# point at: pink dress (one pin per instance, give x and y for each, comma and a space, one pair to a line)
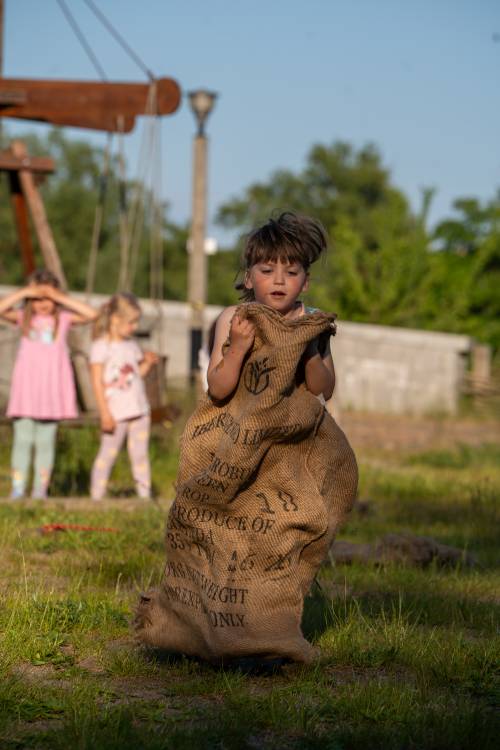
42, 384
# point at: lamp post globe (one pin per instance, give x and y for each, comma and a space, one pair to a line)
201, 102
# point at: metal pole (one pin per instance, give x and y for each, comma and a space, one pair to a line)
197, 271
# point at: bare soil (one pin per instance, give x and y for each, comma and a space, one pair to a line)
396, 433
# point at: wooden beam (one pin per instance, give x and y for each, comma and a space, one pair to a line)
12, 97
22, 224
9, 162
39, 217
86, 104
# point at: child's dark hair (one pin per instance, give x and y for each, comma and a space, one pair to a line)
39, 276
291, 237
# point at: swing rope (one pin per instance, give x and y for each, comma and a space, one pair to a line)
118, 38
82, 39
122, 210
131, 219
98, 218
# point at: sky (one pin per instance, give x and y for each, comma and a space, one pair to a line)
419, 79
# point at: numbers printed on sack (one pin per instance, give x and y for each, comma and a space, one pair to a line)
245, 564
278, 562
287, 500
266, 508
175, 540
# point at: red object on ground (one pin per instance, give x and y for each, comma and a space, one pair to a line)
48, 528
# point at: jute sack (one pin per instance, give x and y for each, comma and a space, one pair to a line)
264, 481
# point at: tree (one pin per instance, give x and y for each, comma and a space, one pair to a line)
71, 196
379, 257
464, 277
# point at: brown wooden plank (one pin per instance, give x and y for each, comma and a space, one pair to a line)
9, 162
88, 104
110, 124
39, 217
12, 97
22, 224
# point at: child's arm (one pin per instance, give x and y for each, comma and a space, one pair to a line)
82, 313
224, 369
149, 359
319, 371
107, 422
11, 300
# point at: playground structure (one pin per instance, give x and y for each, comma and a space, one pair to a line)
109, 107
380, 370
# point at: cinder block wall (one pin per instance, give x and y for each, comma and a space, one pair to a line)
399, 370
379, 368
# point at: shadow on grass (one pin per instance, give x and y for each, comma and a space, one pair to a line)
318, 614
240, 715
423, 597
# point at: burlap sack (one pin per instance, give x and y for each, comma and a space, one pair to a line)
264, 481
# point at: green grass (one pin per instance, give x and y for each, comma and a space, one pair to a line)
408, 658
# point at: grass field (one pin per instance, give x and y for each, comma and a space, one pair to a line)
407, 657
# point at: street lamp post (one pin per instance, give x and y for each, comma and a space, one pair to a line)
202, 103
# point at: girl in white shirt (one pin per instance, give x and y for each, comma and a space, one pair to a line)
118, 367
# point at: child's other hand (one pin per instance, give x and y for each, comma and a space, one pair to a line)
151, 358
108, 424
241, 334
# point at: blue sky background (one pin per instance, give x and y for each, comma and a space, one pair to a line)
418, 79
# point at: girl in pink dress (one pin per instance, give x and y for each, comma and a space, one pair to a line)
42, 388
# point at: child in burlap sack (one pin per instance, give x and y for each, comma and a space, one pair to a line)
266, 476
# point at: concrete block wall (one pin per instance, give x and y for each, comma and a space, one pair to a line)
379, 368
398, 370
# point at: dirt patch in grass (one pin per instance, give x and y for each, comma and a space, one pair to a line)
396, 433
91, 664
35, 674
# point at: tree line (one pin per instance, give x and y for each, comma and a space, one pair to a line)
384, 266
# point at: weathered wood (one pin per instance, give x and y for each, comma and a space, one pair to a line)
22, 223
39, 217
100, 106
11, 163
12, 97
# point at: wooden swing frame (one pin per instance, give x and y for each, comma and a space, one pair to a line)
110, 107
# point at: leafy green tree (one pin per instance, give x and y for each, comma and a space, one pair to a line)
70, 197
461, 293
378, 260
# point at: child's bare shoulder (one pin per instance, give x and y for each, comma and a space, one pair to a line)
225, 318
228, 312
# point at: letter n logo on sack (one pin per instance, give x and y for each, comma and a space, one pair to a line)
257, 376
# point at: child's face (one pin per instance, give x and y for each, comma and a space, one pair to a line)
43, 306
124, 326
277, 283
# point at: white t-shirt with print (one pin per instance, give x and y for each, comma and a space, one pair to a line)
123, 386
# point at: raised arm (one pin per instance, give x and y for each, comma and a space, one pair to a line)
8, 302
224, 369
82, 313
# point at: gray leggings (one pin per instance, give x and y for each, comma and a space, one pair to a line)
41, 435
